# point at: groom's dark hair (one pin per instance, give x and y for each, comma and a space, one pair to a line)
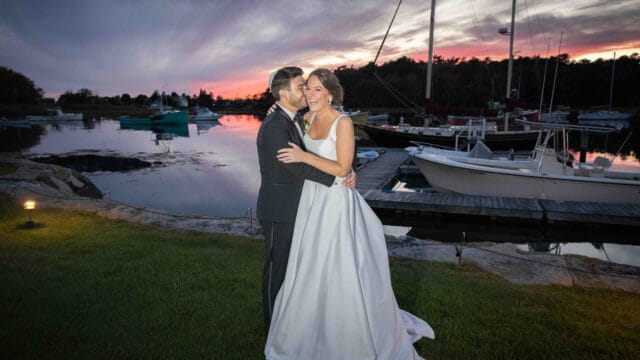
282, 78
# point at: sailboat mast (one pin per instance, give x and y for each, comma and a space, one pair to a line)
430, 59
544, 78
555, 75
613, 71
510, 70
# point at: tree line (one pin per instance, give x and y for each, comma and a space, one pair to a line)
456, 83
460, 82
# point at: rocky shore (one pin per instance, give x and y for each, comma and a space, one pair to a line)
55, 186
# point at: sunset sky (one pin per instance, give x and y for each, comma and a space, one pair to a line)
231, 47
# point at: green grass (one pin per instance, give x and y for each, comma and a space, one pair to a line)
82, 286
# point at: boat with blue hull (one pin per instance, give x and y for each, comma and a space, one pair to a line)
175, 129
163, 118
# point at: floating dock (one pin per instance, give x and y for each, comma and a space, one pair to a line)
377, 176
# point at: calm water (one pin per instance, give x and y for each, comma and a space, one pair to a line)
214, 171
209, 171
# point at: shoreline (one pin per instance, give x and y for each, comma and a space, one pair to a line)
52, 186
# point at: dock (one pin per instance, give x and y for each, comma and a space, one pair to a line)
376, 177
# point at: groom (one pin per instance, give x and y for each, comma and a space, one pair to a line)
281, 184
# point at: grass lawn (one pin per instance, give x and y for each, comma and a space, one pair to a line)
80, 286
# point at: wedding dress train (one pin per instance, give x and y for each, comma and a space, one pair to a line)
336, 301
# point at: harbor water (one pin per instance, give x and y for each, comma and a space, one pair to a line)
212, 169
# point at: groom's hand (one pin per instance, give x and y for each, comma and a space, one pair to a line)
350, 180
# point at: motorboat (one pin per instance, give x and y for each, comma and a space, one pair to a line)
181, 130
55, 114
162, 117
480, 154
547, 176
204, 114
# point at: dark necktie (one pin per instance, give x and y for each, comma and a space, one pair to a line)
298, 119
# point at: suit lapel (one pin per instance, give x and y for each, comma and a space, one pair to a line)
296, 133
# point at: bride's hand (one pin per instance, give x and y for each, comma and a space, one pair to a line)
292, 154
271, 109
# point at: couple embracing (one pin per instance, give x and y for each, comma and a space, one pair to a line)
326, 284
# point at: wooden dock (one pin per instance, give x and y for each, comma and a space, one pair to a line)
375, 178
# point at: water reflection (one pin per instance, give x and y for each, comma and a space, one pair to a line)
607, 244
20, 136
214, 173
204, 126
217, 173
162, 134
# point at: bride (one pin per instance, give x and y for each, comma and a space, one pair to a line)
336, 301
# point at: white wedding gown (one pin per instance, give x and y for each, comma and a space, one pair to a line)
336, 301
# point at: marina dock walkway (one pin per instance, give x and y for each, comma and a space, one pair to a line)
377, 176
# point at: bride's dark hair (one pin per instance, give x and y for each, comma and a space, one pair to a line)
330, 82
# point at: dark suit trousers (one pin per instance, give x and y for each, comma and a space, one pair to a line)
277, 243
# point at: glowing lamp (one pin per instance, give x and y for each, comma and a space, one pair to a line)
29, 205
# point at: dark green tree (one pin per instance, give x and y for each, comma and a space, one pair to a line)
17, 88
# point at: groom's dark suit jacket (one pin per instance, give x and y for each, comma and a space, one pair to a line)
278, 200
282, 183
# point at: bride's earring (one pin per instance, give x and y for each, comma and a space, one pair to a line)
330, 100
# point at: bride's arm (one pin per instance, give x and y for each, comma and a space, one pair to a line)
345, 146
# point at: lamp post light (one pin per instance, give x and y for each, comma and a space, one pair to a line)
29, 205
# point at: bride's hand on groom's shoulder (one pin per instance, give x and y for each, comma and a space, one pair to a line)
271, 109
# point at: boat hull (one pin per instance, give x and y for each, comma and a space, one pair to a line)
175, 129
178, 117
449, 176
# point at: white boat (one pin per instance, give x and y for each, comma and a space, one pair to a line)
204, 114
181, 101
548, 176
55, 114
480, 154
